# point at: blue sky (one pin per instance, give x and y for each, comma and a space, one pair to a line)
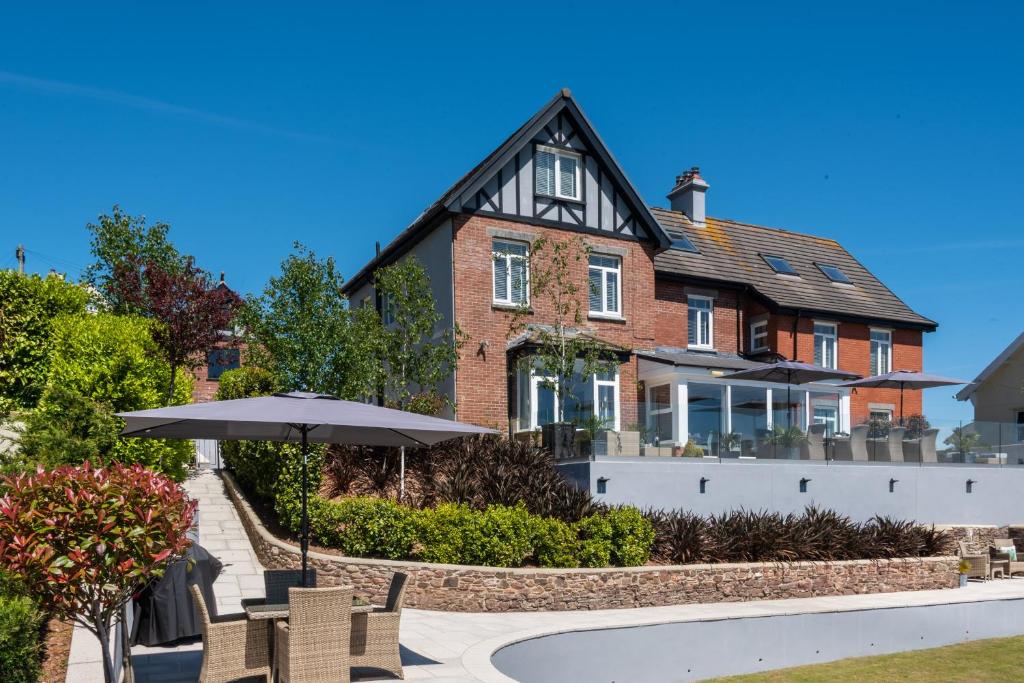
894, 128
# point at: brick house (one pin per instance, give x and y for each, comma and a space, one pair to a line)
225, 355
688, 298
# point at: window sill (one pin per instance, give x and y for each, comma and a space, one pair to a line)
499, 306
607, 317
698, 347
556, 198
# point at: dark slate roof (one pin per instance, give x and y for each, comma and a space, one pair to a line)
730, 252
495, 160
699, 359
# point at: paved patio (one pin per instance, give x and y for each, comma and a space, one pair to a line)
446, 646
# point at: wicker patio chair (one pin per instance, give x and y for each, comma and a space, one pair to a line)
855, 446
813, 448
1012, 566
233, 646
980, 564
375, 634
890, 449
921, 449
276, 583
313, 646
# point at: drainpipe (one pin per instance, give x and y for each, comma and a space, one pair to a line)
740, 346
796, 323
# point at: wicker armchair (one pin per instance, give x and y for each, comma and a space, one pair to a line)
854, 446
313, 646
979, 562
276, 583
233, 646
1012, 566
375, 634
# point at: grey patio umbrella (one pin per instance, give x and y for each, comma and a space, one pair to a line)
790, 372
901, 379
295, 417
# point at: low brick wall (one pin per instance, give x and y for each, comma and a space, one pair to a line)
486, 589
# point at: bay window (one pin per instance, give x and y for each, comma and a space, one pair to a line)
700, 322
825, 343
588, 401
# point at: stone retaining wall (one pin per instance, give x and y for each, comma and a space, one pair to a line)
478, 589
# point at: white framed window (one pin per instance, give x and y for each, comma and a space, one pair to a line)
659, 412
511, 275
826, 342
557, 173
881, 351
605, 285
1020, 425
882, 414
700, 332
606, 399
387, 309
759, 336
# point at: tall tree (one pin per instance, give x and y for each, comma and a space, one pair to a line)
191, 312
300, 329
120, 241
415, 355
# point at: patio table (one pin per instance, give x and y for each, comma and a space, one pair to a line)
259, 612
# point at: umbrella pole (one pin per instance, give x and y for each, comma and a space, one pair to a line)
304, 530
401, 474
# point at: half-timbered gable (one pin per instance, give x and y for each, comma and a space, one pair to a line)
556, 171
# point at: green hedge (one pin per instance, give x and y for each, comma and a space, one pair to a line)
20, 634
497, 536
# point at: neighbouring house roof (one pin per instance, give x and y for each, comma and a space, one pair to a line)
732, 252
479, 174
530, 337
698, 359
1000, 360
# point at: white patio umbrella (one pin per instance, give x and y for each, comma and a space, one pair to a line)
901, 379
297, 417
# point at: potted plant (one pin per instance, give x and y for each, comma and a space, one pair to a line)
692, 450
787, 441
965, 567
730, 441
562, 351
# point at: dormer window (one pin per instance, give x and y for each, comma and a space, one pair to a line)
557, 173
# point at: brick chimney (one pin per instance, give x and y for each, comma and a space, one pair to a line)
688, 195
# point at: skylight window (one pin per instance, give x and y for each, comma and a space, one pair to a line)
682, 243
779, 264
833, 273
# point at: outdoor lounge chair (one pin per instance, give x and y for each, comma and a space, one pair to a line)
313, 646
375, 634
921, 449
1012, 566
853, 447
889, 449
813, 448
979, 562
233, 646
276, 583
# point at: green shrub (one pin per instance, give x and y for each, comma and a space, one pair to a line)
245, 382
30, 304
632, 537
20, 639
443, 532
595, 541
365, 527
113, 361
502, 537
555, 543
287, 488
68, 429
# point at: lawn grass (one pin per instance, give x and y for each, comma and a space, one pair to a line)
998, 659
